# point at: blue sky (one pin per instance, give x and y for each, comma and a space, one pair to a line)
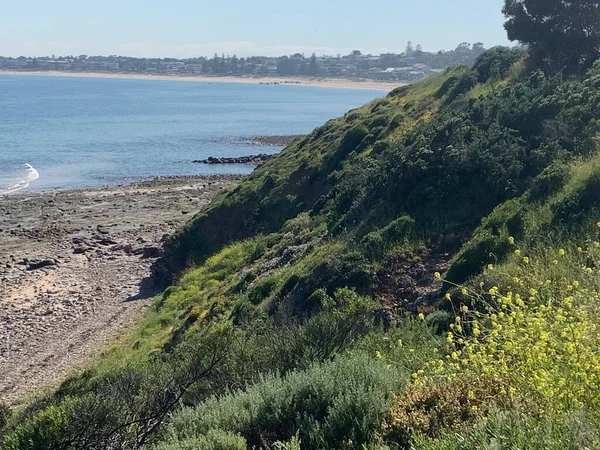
186, 28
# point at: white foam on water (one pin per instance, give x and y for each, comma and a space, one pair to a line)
31, 175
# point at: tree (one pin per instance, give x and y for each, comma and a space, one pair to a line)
463, 47
419, 49
561, 35
409, 48
313, 67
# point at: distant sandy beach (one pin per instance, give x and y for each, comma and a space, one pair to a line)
370, 85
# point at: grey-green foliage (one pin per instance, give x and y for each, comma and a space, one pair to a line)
511, 430
213, 440
328, 405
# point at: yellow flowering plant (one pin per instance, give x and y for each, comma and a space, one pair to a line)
537, 335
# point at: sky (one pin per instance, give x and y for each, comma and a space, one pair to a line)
190, 28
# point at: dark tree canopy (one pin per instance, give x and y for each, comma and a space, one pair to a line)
561, 34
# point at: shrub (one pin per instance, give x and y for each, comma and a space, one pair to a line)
489, 244
434, 409
214, 440
268, 346
439, 321
495, 63
458, 84
574, 209
544, 348
329, 405
395, 232
514, 430
549, 182
124, 408
539, 336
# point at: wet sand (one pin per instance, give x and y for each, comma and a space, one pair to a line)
74, 267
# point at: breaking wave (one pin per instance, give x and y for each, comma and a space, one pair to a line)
31, 175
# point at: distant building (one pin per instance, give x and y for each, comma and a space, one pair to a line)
421, 67
193, 68
101, 65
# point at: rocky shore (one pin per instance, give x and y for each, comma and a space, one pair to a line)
251, 159
255, 160
74, 269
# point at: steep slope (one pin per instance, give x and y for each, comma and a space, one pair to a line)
289, 314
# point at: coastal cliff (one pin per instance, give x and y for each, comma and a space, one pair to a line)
373, 285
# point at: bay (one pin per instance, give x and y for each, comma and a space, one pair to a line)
68, 132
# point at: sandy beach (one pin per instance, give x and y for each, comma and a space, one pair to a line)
72, 270
302, 81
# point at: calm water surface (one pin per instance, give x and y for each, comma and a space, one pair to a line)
65, 132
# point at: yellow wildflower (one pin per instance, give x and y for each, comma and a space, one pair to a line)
511, 240
421, 316
526, 259
437, 275
518, 252
562, 252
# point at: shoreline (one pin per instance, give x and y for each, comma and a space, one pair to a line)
338, 83
74, 268
126, 183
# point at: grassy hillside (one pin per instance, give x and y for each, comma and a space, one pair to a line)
420, 272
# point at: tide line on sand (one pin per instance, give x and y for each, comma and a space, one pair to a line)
32, 175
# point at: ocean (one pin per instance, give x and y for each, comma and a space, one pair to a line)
71, 132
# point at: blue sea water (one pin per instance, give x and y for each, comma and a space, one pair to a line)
66, 132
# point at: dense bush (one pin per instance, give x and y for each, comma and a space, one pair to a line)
329, 405
433, 409
495, 63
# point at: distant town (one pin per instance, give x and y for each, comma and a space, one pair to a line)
412, 64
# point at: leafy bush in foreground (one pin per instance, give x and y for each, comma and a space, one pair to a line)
329, 405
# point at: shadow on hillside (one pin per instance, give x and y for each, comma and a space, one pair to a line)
148, 289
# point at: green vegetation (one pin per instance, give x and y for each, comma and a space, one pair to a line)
561, 35
420, 273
